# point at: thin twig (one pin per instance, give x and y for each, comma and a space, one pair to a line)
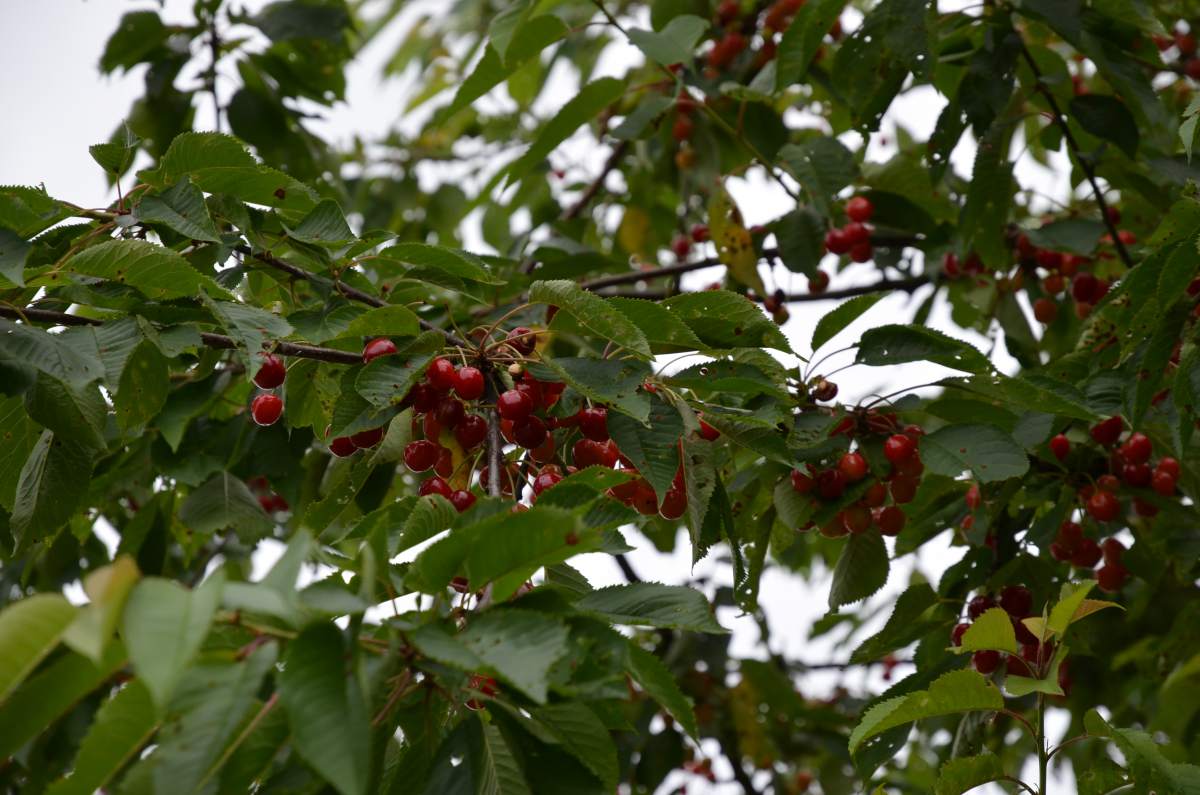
885, 285
1073, 147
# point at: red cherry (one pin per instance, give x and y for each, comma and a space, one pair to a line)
1083, 287
1107, 432
674, 504
1113, 550
1060, 446
271, 372
1137, 448
421, 455
435, 485
1137, 475
862, 252
267, 502
462, 500
957, 633
859, 209
853, 467
1087, 555
979, 605
449, 412
365, 440
972, 498
267, 409
876, 495
857, 518
1070, 534
681, 130
699, 232
529, 432
680, 246
445, 463
1017, 601
1163, 482
890, 520
523, 339
1168, 465
819, 282
708, 432
593, 423
468, 383
950, 265
903, 490
544, 480
440, 373
898, 448
1108, 483
342, 447
470, 431
1050, 260
514, 405
801, 482
380, 346
1103, 506
856, 233
831, 483
986, 660
1045, 310
1111, 576
836, 243
424, 398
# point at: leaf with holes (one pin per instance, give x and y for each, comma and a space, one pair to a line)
592, 313
985, 451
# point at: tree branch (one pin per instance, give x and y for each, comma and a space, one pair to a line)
211, 340
590, 192
1073, 147
886, 285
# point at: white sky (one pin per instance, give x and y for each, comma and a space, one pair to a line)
57, 104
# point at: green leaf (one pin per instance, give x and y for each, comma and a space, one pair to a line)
657, 680
521, 646
984, 217
582, 108
326, 709
592, 312
985, 451
138, 35
52, 483
494, 765
386, 381
992, 630
730, 377
862, 569
155, 271
652, 447
29, 630
896, 344
49, 353
1074, 235
615, 383
384, 321
145, 381
722, 319
965, 773
116, 156
803, 38
224, 501
164, 626
325, 225
822, 166
1148, 765
122, 726
649, 108
19, 434
1071, 598
14, 250
1106, 117
652, 604
253, 328
214, 699
675, 43
657, 324
904, 626
584, 736
27, 211
954, 692
50, 693
529, 40
800, 235
181, 208
836, 320
76, 414
107, 587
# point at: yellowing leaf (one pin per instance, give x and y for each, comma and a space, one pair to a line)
632, 233
732, 239
1089, 606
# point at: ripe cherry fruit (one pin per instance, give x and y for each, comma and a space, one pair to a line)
342, 447
435, 485
468, 383
1107, 431
267, 409
364, 440
593, 423
859, 209
890, 520
440, 373
1060, 446
853, 467
271, 372
986, 660
1103, 505
514, 405
801, 482
898, 448
380, 346
421, 455
470, 431
462, 500
1137, 448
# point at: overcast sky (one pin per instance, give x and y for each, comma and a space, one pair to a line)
56, 104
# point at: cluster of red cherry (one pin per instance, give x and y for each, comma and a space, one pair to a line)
267, 407
343, 446
855, 237
1060, 271
1070, 545
1034, 657
900, 485
1182, 45
270, 501
483, 685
